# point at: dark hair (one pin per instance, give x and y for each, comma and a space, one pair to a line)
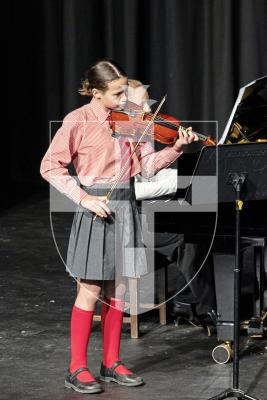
99, 75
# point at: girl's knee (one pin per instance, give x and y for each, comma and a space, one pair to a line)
115, 292
89, 292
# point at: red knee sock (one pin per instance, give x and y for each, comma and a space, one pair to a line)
81, 324
104, 309
112, 335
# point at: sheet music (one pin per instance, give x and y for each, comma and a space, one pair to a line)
238, 101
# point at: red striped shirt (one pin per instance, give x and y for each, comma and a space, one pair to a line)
85, 139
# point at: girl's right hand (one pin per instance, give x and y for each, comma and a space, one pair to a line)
96, 204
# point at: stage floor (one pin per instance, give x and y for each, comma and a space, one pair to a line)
36, 300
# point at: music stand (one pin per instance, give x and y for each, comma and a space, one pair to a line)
238, 170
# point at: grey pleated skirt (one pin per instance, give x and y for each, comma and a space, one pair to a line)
107, 248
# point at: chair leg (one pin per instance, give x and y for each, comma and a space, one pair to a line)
162, 273
133, 293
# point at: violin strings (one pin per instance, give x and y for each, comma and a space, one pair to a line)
172, 125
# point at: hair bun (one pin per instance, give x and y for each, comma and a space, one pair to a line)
85, 90
99, 75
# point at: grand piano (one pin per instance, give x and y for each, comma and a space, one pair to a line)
243, 144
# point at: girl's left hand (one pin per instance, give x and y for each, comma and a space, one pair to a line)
186, 136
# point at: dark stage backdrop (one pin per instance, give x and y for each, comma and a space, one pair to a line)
198, 52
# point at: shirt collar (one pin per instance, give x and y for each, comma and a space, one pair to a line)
99, 110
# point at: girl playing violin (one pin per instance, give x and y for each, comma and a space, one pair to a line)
85, 139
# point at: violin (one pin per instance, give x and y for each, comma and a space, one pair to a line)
165, 126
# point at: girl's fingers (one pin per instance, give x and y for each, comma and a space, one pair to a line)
103, 204
105, 208
191, 136
97, 207
98, 211
184, 133
101, 210
194, 137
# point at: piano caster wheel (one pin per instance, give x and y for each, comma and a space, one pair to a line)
223, 353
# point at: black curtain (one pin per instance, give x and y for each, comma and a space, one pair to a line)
198, 52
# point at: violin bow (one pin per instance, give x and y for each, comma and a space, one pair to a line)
109, 193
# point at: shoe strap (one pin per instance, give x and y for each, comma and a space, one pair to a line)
115, 365
75, 373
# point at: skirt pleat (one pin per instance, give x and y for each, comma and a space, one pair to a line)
106, 248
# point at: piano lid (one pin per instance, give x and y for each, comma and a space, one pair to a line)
248, 119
